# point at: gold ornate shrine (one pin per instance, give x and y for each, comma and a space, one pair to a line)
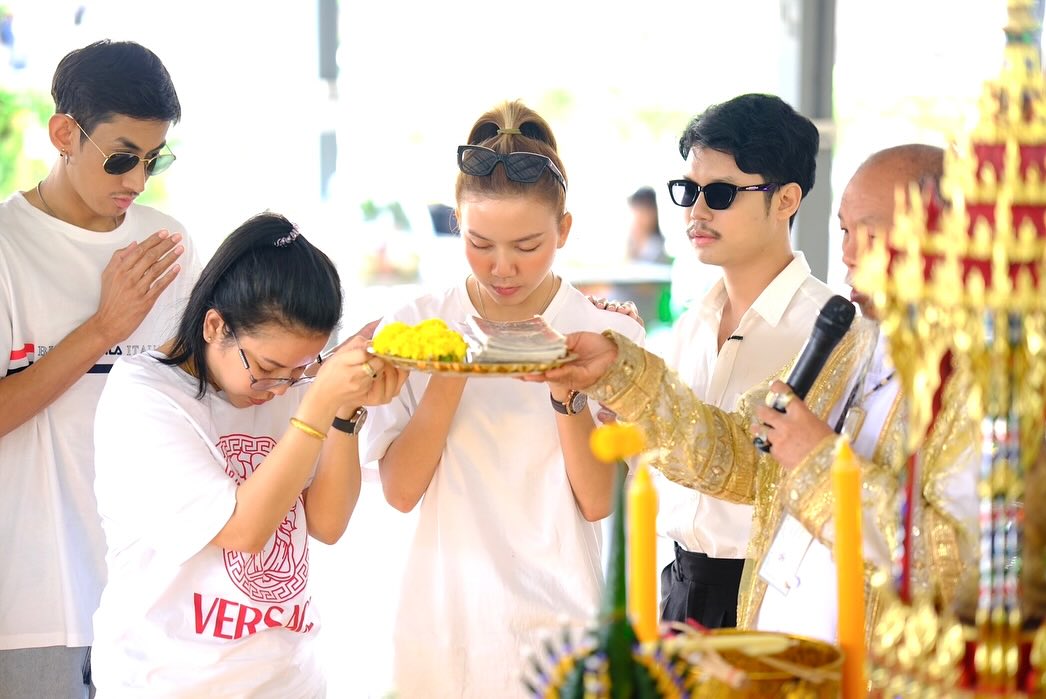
961, 289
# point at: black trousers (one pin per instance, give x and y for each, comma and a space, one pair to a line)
704, 589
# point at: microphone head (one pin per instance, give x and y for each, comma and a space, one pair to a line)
835, 317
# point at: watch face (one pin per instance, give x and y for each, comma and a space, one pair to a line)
358, 419
578, 402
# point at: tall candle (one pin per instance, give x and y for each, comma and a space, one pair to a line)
642, 560
849, 566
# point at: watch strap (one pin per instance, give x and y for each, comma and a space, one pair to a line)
353, 425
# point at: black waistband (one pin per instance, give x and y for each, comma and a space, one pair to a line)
700, 568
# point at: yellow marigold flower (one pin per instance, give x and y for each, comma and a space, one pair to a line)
389, 337
431, 324
616, 441
430, 339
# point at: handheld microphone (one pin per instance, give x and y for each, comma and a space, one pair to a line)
832, 323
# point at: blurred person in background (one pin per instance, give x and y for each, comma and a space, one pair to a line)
646, 243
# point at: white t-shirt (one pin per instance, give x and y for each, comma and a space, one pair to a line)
501, 554
774, 330
51, 559
180, 617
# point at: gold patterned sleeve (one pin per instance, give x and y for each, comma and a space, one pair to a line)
697, 445
808, 492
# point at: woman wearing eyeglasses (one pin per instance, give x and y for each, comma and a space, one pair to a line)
508, 539
218, 455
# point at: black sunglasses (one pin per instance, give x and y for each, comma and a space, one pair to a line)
479, 161
120, 163
718, 195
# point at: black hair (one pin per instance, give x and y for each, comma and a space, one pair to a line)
114, 78
646, 197
764, 135
264, 272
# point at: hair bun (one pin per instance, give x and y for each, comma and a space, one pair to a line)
484, 132
535, 131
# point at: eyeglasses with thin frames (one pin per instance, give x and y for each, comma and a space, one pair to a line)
120, 163
308, 372
718, 195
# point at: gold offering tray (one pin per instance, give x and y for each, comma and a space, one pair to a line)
469, 368
775, 665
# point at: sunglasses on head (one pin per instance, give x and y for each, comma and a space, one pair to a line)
479, 161
718, 195
121, 163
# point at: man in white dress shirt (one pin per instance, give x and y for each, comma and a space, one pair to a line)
749, 163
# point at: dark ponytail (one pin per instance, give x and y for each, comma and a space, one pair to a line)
264, 272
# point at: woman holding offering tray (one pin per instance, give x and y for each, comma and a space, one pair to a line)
508, 539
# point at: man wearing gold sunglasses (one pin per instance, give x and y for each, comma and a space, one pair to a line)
86, 275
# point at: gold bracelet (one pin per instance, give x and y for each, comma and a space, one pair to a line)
307, 429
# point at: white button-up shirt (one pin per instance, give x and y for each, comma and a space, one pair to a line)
773, 332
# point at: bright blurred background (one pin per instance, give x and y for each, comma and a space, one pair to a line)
345, 117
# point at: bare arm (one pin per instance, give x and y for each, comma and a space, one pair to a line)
332, 496
591, 481
411, 460
264, 499
131, 282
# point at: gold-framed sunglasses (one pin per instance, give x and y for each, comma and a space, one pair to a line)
122, 163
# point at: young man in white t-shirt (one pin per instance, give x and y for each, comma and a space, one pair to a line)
750, 161
86, 276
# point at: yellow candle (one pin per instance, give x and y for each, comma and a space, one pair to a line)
849, 566
642, 560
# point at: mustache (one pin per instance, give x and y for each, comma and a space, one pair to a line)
694, 228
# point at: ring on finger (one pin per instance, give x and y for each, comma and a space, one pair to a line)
369, 370
782, 400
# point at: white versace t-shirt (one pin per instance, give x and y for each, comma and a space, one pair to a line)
179, 616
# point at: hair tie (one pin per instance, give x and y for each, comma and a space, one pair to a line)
509, 132
286, 240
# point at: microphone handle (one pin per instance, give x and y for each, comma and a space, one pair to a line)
801, 380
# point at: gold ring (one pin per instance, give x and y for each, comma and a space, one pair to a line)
782, 400
369, 370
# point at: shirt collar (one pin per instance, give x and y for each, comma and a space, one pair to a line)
775, 299
777, 296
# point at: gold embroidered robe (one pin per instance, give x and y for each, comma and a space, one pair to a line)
706, 448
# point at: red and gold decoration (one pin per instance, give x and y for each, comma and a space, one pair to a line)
961, 290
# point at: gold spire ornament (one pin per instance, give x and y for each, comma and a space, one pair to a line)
960, 285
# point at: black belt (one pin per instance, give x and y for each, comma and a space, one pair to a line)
698, 567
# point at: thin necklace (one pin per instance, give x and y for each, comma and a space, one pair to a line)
482, 306
40, 193
52, 214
